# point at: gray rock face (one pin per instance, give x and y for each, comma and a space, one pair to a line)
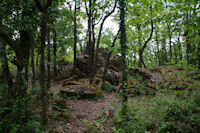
80, 89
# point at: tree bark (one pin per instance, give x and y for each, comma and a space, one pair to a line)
54, 54
100, 31
158, 50
6, 76
42, 67
33, 66
122, 7
141, 50
43, 10
75, 35
48, 61
25, 46
19, 62
170, 41
179, 47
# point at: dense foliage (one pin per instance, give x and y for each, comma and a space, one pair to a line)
43, 42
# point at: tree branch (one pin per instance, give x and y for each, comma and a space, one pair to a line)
10, 42
151, 34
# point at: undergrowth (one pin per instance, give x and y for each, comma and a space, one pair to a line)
17, 114
163, 113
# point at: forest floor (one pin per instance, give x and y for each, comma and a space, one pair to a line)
83, 113
89, 115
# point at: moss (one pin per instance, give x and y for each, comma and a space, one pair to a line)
61, 103
82, 89
96, 90
73, 83
62, 116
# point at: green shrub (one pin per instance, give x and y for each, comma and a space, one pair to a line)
16, 114
106, 86
163, 113
34, 90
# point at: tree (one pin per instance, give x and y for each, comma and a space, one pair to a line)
6, 75
122, 7
43, 9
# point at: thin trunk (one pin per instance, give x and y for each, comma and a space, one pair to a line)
141, 50
49, 61
93, 69
90, 43
6, 76
170, 41
198, 52
140, 59
158, 50
198, 56
75, 35
100, 32
188, 46
54, 54
175, 53
26, 73
179, 47
42, 67
37, 59
33, 66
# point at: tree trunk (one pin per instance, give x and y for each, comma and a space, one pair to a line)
25, 46
122, 7
140, 58
179, 47
37, 59
6, 76
141, 50
33, 66
90, 43
198, 56
170, 41
42, 67
48, 61
158, 50
75, 35
54, 54
188, 46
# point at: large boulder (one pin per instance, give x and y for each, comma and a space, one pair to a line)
83, 63
67, 74
112, 76
80, 89
115, 63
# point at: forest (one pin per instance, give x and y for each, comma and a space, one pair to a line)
100, 66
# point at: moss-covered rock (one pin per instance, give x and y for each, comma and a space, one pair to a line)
112, 76
81, 89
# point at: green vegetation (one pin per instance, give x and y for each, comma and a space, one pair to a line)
56, 55
166, 112
17, 114
107, 86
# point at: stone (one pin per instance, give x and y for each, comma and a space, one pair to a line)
112, 76
81, 89
83, 63
115, 63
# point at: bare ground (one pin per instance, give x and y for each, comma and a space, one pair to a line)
89, 110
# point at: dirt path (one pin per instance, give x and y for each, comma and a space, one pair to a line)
88, 110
